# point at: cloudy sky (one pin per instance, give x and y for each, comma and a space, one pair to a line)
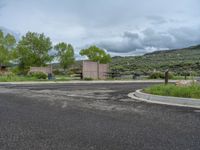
122, 27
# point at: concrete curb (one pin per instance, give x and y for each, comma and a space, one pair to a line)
165, 100
87, 82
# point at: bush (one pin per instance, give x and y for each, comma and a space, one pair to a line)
157, 75
38, 75
160, 75
74, 71
15, 70
88, 79
57, 72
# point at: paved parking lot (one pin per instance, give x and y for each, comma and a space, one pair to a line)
92, 117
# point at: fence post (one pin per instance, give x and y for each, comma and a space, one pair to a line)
166, 77
81, 76
98, 70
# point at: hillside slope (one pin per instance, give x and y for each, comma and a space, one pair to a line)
178, 61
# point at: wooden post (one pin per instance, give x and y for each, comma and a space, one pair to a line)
81, 76
166, 77
98, 70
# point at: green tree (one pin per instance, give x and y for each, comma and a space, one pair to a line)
65, 54
96, 54
33, 50
7, 44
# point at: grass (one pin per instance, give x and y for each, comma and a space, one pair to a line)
183, 77
62, 78
16, 78
192, 91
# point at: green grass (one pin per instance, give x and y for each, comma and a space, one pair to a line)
62, 78
183, 77
192, 91
17, 78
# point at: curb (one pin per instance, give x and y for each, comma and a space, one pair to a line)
165, 100
87, 82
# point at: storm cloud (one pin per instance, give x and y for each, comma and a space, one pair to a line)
152, 39
121, 27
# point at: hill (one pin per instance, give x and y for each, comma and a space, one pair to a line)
179, 61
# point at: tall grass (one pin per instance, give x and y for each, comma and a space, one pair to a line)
14, 78
192, 91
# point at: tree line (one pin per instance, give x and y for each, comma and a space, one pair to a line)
35, 49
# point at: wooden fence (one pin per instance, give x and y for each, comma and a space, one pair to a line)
46, 70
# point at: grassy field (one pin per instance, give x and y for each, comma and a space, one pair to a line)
192, 91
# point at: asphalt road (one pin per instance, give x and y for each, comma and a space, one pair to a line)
92, 117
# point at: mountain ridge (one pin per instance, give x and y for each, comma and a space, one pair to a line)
177, 60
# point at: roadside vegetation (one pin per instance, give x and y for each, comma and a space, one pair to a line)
16, 78
192, 91
36, 50
21, 78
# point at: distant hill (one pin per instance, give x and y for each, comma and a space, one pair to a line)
178, 61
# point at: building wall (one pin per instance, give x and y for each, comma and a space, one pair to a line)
45, 70
103, 70
94, 70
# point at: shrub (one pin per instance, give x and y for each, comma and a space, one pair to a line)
15, 70
159, 75
171, 75
88, 79
193, 73
57, 72
74, 71
39, 75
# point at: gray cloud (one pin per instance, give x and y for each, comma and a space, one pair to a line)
122, 26
150, 39
157, 39
2, 4
185, 36
128, 42
132, 36
156, 20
